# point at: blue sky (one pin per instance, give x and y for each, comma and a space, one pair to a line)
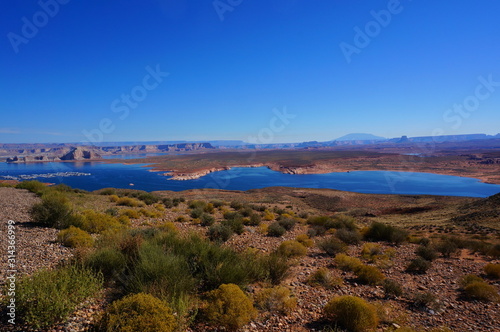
423, 68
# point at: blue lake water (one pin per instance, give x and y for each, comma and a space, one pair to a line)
96, 175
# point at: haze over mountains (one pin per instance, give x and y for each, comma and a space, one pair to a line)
67, 151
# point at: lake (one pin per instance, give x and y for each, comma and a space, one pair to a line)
96, 175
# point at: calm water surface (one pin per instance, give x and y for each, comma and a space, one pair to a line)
96, 175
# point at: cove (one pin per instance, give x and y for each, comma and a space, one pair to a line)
96, 175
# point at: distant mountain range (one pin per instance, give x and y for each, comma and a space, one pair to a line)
360, 137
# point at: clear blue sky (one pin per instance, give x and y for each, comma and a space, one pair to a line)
227, 76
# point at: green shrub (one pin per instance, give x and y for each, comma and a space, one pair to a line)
235, 222
276, 299
236, 205
128, 201
287, 223
52, 211
351, 313
33, 186
229, 307
392, 287
107, 191
96, 222
426, 300
324, 278
207, 219
291, 249
418, 266
277, 268
219, 233
255, 220
492, 270
139, 312
50, 296
305, 240
332, 246
75, 237
447, 247
371, 251
148, 198
480, 290
134, 214
163, 274
276, 230
109, 261
196, 213
469, 279
348, 236
347, 263
427, 252
382, 232
369, 275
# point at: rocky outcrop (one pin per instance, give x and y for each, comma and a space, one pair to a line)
80, 154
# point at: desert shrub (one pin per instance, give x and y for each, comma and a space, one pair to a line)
480, 290
234, 221
148, 198
163, 274
427, 252
369, 275
75, 237
276, 230
220, 233
196, 213
130, 245
181, 219
291, 249
392, 288
217, 203
34, 186
167, 202
277, 268
447, 247
128, 201
371, 251
246, 211
96, 222
418, 266
323, 277
236, 205
468, 279
492, 270
107, 191
332, 246
304, 240
276, 299
347, 263
124, 220
342, 221
268, 215
426, 300
139, 312
229, 307
49, 296
382, 232
255, 220
114, 198
134, 214
287, 223
108, 261
52, 211
348, 236
207, 219
351, 313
